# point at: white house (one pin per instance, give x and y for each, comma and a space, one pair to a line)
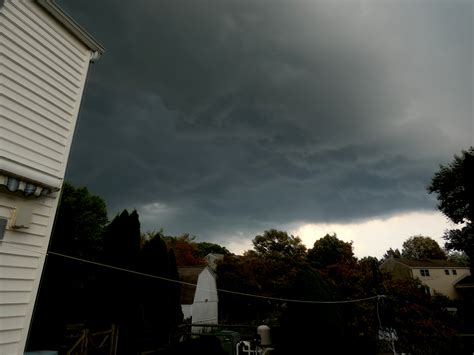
199, 303
440, 276
44, 60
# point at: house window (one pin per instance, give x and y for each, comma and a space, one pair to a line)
455, 272
446, 272
425, 272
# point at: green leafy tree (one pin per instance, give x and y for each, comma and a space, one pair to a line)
269, 270
461, 240
242, 274
422, 323
391, 253
330, 250
420, 247
454, 186
63, 294
79, 223
205, 248
305, 325
348, 279
458, 257
278, 244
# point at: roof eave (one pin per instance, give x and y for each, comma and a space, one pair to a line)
76, 29
423, 264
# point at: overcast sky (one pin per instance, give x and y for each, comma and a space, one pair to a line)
226, 118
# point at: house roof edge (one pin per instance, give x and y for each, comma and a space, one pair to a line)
77, 30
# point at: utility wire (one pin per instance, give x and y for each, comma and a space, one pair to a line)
191, 284
378, 314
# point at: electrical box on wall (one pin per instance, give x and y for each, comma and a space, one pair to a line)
21, 216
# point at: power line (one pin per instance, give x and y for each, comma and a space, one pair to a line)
204, 289
194, 285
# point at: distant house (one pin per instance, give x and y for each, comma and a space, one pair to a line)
44, 61
439, 276
212, 260
199, 303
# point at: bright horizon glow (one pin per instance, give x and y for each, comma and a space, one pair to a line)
375, 236
371, 237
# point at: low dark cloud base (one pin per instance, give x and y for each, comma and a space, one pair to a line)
216, 118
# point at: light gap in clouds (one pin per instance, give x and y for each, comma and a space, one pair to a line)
374, 237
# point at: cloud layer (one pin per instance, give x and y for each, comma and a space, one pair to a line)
222, 118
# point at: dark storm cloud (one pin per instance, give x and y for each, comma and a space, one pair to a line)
217, 117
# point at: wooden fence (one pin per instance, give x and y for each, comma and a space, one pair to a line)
103, 342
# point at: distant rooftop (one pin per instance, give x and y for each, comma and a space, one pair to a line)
429, 263
465, 282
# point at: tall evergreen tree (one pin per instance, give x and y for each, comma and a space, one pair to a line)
122, 240
122, 244
159, 298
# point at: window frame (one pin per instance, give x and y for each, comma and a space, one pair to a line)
425, 272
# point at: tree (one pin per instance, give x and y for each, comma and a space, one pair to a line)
205, 248
79, 224
122, 240
330, 250
458, 257
242, 274
419, 247
120, 301
278, 244
185, 250
78, 230
390, 253
454, 186
159, 299
423, 324
270, 269
461, 240
305, 325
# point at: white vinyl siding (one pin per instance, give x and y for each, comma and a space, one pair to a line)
21, 261
43, 68
42, 73
12, 311
16, 285
8, 340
